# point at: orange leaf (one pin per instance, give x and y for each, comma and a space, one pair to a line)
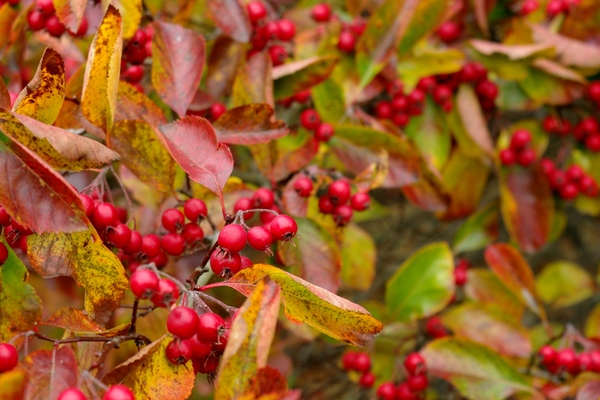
12, 383
4, 96
73, 320
132, 104
70, 12
249, 124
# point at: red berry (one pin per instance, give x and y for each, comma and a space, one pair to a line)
588, 126
303, 186
593, 91
346, 41
324, 132
473, 72
256, 11
567, 360
287, 30
225, 264
342, 215
585, 362
588, 186
309, 119
595, 356
434, 328
263, 198
260, 238
36, 20
5, 219
134, 73
210, 327
348, 360
460, 276
575, 173
173, 244
399, 103
88, 204
160, 260
367, 380
278, 54
135, 243
400, 119
362, 362
9, 356
283, 227
105, 215
144, 283
244, 204
404, 393
547, 166
526, 157
151, 245
551, 124
569, 191
449, 31
246, 262
71, 394
557, 179
83, 28
592, 142
487, 90
182, 322
119, 236
216, 110
3, 253
200, 348
339, 192
441, 94
46, 7
520, 139
414, 364
383, 109
416, 97
195, 209
529, 6
178, 351
417, 383
135, 54
555, 7
192, 233
54, 26
360, 201
232, 238
302, 96
427, 84
321, 12
166, 294
326, 206
206, 365
118, 392
508, 157
267, 217
547, 354
358, 27
386, 391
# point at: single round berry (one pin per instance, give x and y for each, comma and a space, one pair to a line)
551, 124
399, 103
324, 132
567, 360
460, 276
3, 253
386, 391
348, 360
360, 201
36, 20
547, 166
508, 157
166, 294
339, 192
473, 72
143, 283
232, 238
256, 11
182, 322
216, 110
118, 392
303, 186
287, 30
326, 205
134, 73
592, 142
9, 356
195, 209
414, 364
441, 94
178, 351
105, 215
151, 245
416, 97
555, 7
192, 233
529, 6
225, 263
71, 394
520, 139
404, 393
54, 26
135, 243
206, 365
557, 179
173, 220
449, 31
575, 173
417, 383
278, 55
487, 90
346, 42
526, 157
593, 91
244, 204
267, 217
46, 7
309, 119
321, 12
427, 84
362, 362
200, 348
342, 214
400, 119
283, 227
547, 354
119, 236
435, 328
173, 244
245, 262
210, 326
569, 191
588, 186
263, 198
260, 238
88, 204
367, 380
383, 109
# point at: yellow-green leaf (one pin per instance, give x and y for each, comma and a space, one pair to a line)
479, 230
101, 80
485, 288
42, 98
358, 258
249, 341
304, 302
131, 12
83, 257
133, 104
253, 82
20, 306
150, 376
563, 284
297, 76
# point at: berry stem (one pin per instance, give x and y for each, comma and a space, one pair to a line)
134, 315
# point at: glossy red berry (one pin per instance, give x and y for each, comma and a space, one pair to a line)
166, 294
414, 364
256, 11
508, 157
195, 209
324, 132
360, 201
283, 227
487, 90
9, 357
3, 253
178, 351
303, 186
105, 215
339, 192
245, 262
88, 204
309, 119
520, 139
192, 233
134, 73
206, 365
225, 264
200, 348
119, 236
567, 360
182, 322
286, 30
588, 186
244, 204
216, 110
547, 166
592, 142
223, 339
278, 54
434, 328
404, 393
263, 198
5, 219
557, 179
348, 360
118, 392
441, 94
36, 20
593, 91
173, 244
449, 31
143, 283
135, 243
526, 157
326, 206
267, 217
416, 97
362, 362
173, 220
321, 12
417, 383
386, 391
551, 124
399, 103
54, 26
346, 41
547, 354
260, 238
151, 245
529, 6
575, 173
71, 394
46, 7
367, 380
460, 276
555, 7
383, 109
427, 84
232, 238
569, 191
342, 214
210, 327
400, 119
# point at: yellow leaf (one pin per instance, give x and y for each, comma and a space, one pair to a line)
249, 341
151, 376
82, 256
7, 16
131, 11
101, 80
42, 98
12, 383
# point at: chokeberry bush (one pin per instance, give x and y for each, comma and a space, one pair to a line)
278, 199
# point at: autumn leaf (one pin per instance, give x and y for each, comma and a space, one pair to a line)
86, 259
294, 77
225, 58
484, 287
73, 320
144, 153
20, 306
131, 12
359, 255
305, 302
4, 96
254, 82
473, 122
12, 383
232, 18
42, 98
427, 17
70, 12
569, 51
132, 104
101, 80
479, 230
7, 15
61, 149
249, 124
34, 194
192, 142
563, 284
151, 376
328, 99
249, 341
178, 55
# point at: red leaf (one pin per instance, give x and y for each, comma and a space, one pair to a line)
192, 142
178, 62
249, 124
49, 374
232, 18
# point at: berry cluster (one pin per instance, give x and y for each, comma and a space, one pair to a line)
587, 131
43, 16
569, 183
273, 35
350, 32
567, 360
416, 381
360, 362
145, 284
310, 120
15, 234
555, 7
338, 200
519, 150
134, 54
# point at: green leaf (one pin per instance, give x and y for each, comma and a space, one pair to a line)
328, 98
592, 323
297, 76
475, 370
423, 285
358, 258
563, 284
547, 89
426, 61
485, 288
479, 230
428, 15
